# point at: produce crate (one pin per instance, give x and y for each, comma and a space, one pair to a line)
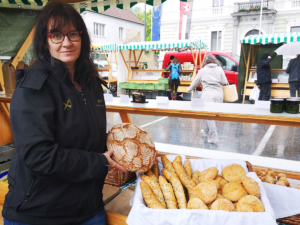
123, 85
149, 86
139, 86
163, 80
131, 85
117, 177
161, 87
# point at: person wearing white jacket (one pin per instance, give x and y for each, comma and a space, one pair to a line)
212, 78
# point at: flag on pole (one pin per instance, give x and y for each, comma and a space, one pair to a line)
156, 22
185, 10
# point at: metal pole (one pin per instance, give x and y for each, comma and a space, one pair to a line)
261, 9
218, 26
145, 23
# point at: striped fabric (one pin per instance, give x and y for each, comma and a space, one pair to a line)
272, 38
164, 45
107, 47
95, 5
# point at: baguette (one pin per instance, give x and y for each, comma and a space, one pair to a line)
168, 193
178, 159
188, 169
167, 164
178, 189
150, 174
167, 173
196, 176
185, 179
155, 188
150, 198
155, 169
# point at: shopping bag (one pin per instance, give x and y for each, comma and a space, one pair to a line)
9, 77
230, 93
254, 93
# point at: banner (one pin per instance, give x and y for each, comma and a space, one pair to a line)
185, 20
156, 21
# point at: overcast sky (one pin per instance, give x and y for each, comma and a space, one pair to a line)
142, 6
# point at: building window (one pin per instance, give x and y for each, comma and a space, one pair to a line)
121, 29
252, 32
99, 29
216, 3
295, 29
214, 41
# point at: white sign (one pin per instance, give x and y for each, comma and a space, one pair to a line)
262, 104
108, 97
124, 98
197, 101
162, 100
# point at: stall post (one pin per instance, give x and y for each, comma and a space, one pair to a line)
124, 59
116, 60
129, 64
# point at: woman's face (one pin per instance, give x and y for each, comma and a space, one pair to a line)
67, 51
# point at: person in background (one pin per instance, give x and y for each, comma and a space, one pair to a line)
264, 77
212, 78
175, 70
293, 70
171, 60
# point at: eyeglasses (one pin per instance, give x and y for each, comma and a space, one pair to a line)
57, 37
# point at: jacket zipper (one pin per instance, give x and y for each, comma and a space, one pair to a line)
29, 189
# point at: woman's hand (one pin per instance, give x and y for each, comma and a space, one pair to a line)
112, 162
269, 57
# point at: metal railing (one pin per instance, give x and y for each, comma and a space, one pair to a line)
295, 3
251, 5
217, 10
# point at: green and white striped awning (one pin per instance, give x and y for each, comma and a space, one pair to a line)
23, 4
272, 38
164, 45
97, 48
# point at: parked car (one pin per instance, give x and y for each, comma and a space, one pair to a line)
104, 74
229, 62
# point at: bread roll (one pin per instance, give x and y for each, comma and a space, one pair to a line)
178, 159
233, 191
206, 191
178, 189
196, 176
155, 169
155, 188
223, 204
251, 186
284, 179
167, 164
281, 175
217, 198
208, 174
259, 172
187, 167
250, 203
263, 179
235, 204
215, 183
272, 174
168, 193
282, 183
167, 173
222, 182
297, 186
270, 179
150, 174
196, 203
150, 198
233, 173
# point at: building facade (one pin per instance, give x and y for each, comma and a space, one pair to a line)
233, 20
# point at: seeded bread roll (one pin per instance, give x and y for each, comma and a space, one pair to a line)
155, 188
208, 174
297, 186
196, 203
168, 193
150, 174
222, 182
233, 191
167, 164
251, 186
250, 203
150, 198
233, 173
187, 167
155, 169
223, 204
196, 176
206, 191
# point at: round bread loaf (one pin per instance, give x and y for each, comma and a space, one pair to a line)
250, 203
223, 204
217, 198
233, 173
297, 186
133, 147
222, 182
206, 191
251, 186
208, 174
233, 191
196, 203
215, 183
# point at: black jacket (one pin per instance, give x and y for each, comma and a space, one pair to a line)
293, 69
264, 70
57, 175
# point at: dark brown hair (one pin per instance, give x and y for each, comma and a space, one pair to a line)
61, 15
210, 59
176, 60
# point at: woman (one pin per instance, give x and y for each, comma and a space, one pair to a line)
212, 77
264, 77
58, 120
175, 70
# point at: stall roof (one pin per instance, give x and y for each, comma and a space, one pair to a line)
112, 47
164, 45
272, 38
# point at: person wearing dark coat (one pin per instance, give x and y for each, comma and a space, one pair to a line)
264, 77
293, 70
174, 81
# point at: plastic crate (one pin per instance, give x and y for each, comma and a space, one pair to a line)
161, 87
163, 80
139, 86
149, 86
131, 85
123, 85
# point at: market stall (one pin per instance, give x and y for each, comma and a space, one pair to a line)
139, 60
252, 49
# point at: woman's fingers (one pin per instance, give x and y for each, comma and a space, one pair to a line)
117, 166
